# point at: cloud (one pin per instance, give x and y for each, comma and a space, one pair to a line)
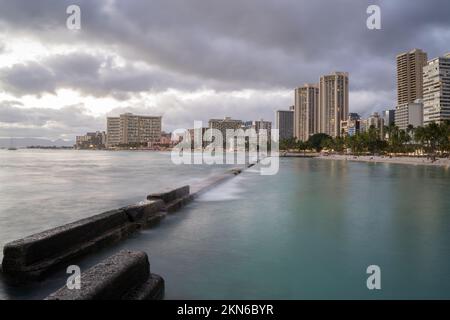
98, 75
181, 109
178, 109
135, 48
243, 43
16, 121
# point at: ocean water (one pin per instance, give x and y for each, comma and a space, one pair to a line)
41, 189
309, 232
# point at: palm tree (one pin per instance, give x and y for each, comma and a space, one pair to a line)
444, 137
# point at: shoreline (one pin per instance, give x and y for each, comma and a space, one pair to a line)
440, 162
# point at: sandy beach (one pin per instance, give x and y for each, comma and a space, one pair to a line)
440, 162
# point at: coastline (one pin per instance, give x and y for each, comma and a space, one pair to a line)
440, 162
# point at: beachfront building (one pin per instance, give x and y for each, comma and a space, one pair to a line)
409, 114
200, 137
113, 134
388, 117
351, 125
223, 125
306, 110
130, 129
166, 138
284, 122
375, 121
333, 103
410, 76
91, 140
260, 125
436, 90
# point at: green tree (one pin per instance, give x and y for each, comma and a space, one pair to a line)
316, 141
287, 144
302, 146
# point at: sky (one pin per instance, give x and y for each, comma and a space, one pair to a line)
189, 60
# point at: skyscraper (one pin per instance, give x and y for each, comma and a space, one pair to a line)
333, 102
285, 123
306, 111
410, 76
113, 135
389, 117
436, 90
409, 114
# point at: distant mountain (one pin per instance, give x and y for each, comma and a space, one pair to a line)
27, 142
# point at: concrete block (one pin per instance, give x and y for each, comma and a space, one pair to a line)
33, 256
178, 203
170, 195
142, 211
125, 275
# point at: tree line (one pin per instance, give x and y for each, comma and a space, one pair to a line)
430, 140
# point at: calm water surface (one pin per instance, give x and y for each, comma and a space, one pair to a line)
308, 232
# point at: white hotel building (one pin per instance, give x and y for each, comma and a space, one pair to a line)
436, 90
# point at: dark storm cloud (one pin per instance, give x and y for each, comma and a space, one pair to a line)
90, 74
260, 43
224, 45
31, 78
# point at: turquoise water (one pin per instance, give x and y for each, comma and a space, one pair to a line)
308, 232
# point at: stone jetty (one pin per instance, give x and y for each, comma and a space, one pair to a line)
38, 255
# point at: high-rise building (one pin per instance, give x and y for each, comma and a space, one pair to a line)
285, 123
388, 117
375, 121
410, 76
436, 90
133, 129
224, 124
306, 110
258, 125
113, 135
351, 126
409, 114
333, 102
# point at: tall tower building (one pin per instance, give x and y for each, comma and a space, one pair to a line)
333, 103
436, 90
410, 76
285, 123
306, 110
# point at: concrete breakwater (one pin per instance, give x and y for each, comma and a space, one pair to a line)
38, 255
35, 256
123, 276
